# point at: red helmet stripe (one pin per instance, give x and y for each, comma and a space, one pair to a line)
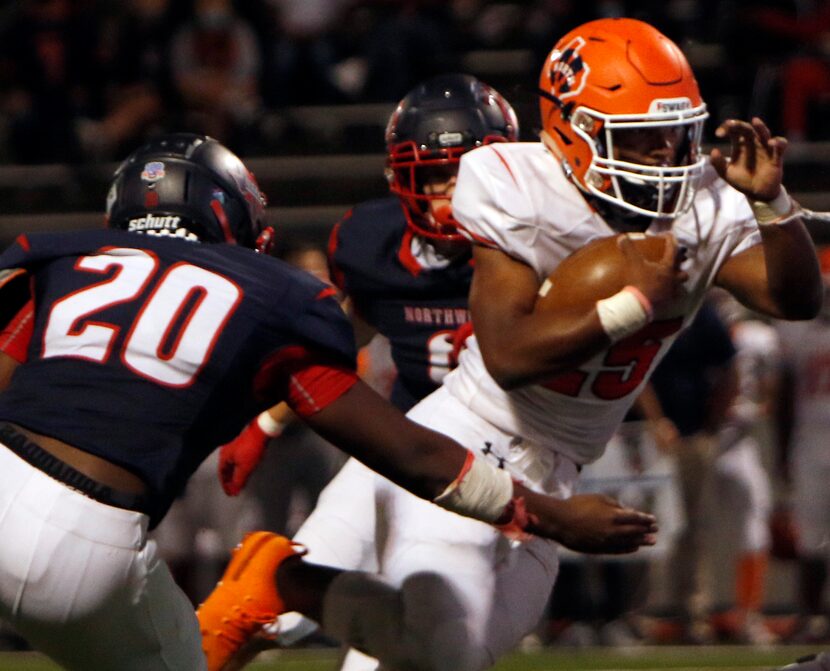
222, 218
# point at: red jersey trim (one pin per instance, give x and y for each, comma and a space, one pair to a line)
16, 335
23, 241
303, 379
325, 293
505, 164
405, 255
317, 386
478, 239
336, 274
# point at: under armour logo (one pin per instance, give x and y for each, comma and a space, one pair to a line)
488, 449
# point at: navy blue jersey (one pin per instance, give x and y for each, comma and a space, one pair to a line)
150, 352
683, 379
416, 308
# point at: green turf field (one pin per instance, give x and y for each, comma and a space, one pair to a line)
715, 658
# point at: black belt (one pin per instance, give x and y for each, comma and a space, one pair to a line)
35, 455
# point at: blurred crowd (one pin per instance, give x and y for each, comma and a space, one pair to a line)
83, 80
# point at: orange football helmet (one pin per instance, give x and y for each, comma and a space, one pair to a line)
614, 76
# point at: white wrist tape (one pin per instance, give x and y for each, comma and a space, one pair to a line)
481, 491
269, 426
624, 313
780, 210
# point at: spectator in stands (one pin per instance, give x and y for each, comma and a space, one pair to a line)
140, 93
788, 41
216, 66
304, 55
411, 41
49, 61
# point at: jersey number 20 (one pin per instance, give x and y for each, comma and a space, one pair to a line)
174, 329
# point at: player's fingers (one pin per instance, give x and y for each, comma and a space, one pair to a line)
235, 487
624, 547
670, 251
227, 477
636, 525
777, 146
638, 540
230, 487
719, 162
762, 132
628, 248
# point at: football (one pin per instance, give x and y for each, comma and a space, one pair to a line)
593, 272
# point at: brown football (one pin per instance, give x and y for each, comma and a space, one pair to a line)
593, 272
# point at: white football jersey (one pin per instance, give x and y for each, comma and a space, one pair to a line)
756, 359
515, 197
805, 346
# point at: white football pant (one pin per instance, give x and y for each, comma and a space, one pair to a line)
81, 583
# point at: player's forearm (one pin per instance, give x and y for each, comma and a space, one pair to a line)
521, 344
369, 428
537, 346
793, 275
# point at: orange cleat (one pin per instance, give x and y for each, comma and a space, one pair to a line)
245, 599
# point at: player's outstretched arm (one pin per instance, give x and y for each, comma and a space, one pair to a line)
780, 277
436, 468
363, 424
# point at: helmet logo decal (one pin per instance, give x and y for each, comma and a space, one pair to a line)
153, 172
568, 71
246, 183
161, 225
450, 139
666, 105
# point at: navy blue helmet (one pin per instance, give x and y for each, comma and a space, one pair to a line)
432, 126
189, 186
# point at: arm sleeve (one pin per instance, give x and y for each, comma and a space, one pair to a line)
17, 333
305, 379
315, 386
